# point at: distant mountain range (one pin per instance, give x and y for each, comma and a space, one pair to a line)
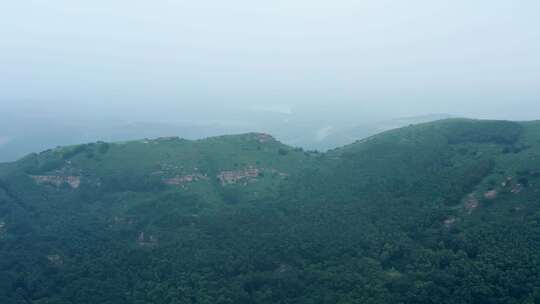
20, 137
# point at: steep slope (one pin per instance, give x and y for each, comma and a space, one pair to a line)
443, 212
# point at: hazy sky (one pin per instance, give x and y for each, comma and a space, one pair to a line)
371, 58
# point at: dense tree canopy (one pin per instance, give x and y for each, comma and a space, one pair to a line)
445, 212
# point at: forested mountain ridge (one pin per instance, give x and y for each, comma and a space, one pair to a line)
443, 212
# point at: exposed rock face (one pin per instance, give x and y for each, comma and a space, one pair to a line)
55, 259
471, 203
73, 181
245, 175
2, 229
491, 195
263, 138
56, 180
449, 222
184, 179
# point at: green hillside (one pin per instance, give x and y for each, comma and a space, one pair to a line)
443, 212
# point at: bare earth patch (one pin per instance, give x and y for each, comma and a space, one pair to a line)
263, 138
245, 175
56, 180
491, 195
181, 180
471, 203
55, 259
449, 222
2, 229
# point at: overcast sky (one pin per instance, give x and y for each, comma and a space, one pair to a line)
143, 60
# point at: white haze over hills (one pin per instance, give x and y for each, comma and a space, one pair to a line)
314, 73
27, 129
30, 131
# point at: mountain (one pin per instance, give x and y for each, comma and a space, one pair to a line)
27, 129
441, 212
330, 137
44, 133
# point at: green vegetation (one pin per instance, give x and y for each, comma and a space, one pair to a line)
443, 212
